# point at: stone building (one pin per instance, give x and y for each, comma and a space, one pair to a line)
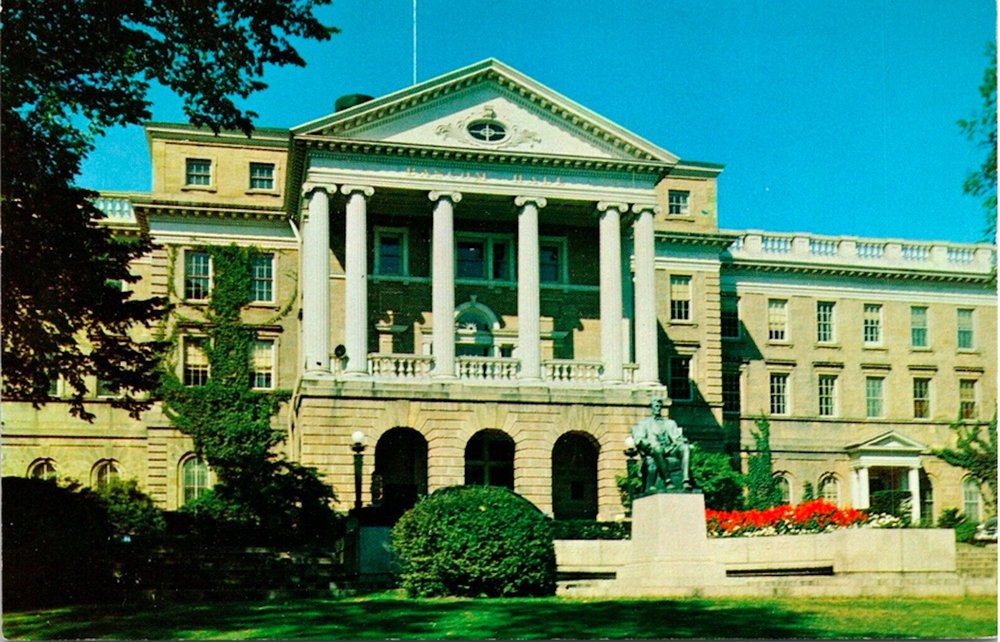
490, 283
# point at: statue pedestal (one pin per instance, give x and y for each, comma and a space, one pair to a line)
670, 552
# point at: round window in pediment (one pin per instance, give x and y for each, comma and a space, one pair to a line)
487, 131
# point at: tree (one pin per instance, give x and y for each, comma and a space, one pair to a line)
762, 492
982, 129
71, 69
977, 453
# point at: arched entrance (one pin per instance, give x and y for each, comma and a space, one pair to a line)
489, 459
574, 477
400, 471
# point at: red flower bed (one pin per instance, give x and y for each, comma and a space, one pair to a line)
817, 516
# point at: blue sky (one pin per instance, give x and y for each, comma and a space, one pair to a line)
830, 117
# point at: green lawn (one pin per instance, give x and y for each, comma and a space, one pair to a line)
392, 616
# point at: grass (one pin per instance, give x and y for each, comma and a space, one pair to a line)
391, 615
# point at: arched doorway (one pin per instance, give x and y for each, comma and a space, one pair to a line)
489, 459
400, 477
474, 325
574, 477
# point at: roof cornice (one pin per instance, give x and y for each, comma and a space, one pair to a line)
758, 267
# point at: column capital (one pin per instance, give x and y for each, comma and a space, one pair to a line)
604, 206
539, 201
454, 197
347, 190
639, 208
308, 188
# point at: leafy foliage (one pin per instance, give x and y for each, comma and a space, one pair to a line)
713, 473
976, 452
473, 541
71, 69
56, 544
965, 529
762, 491
131, 512
982, 129
590, 529
231, 424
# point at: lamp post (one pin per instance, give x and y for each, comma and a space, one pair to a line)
358, 446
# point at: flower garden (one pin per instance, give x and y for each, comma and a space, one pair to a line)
817, 516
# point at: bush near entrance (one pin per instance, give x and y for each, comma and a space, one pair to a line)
471, 541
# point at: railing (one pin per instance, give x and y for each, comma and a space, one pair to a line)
400, 366
569, 371
487, 368
977, 258
116, 207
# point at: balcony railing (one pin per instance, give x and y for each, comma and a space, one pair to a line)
487, 368
400, 366
863, 252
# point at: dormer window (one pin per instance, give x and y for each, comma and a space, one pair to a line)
487, 131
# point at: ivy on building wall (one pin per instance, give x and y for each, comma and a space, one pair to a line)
230, 423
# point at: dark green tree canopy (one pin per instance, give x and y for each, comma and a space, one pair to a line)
71, 69
976, 451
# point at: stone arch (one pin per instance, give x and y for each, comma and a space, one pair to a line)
574, 476
400, 475
786, 484
475, 324
104, 471
42, 468
489, 459
830, 488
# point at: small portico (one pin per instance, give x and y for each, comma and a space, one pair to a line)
890, 461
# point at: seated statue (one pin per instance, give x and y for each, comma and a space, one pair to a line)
664, 451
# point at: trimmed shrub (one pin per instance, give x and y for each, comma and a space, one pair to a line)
132, 513
56, 545
475, 541
589, 529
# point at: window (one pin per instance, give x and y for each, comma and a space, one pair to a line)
918, 326
489, 258
873, 324
967, 398
730, 318
197, 275
784, 487
679, 386
551, 258
921, 398
680, 298
391, 252
829, 489
194, 479
105, 471
198, 172
972, 500
195, 361
827, 395
777, 320
779, 393
107, 389
262, 364
731, 391
262, 278
42, 469
824, 322
874, 403
489, 460
677, 202
262, 176
965, 337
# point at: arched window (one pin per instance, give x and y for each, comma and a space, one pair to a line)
194, 479
972, 500
42, 469
829, 488
489, 460
475, 324
105, 471
574, 477
784, 485
400, 477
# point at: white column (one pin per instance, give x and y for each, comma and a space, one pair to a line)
529, 311
611, 289
443, 282
356, 273
863, 499
316, 281
913, 477
645, 296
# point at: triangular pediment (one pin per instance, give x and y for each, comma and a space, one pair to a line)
488, 107
889, 442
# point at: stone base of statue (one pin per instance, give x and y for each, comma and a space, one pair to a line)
670, 554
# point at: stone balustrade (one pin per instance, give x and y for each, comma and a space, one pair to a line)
567, 371
847, 251
490, 369
117, 207
400, 366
